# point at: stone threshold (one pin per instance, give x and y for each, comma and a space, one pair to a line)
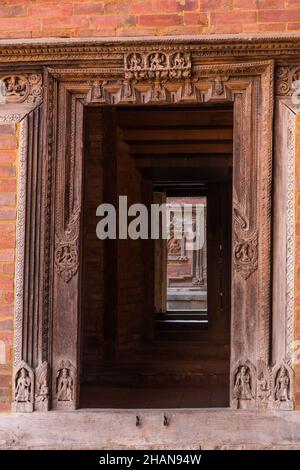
192, 429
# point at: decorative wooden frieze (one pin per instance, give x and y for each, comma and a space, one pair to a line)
66, 249
282, 386
23, 388
203, 48
42, 387
23, 88
65, 397
156, 65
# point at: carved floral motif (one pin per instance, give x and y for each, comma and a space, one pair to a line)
262, 386
243, 384
66, 250
42, 392
245, 251
245, 256
285, 77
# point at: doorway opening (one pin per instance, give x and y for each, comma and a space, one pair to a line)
156, 313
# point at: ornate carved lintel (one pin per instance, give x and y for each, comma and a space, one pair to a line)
287, 80
264, 385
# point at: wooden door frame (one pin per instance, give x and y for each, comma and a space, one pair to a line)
128, 75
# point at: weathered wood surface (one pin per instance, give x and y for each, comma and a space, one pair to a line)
194, 429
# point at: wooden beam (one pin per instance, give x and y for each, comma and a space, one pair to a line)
185, 148
130, 119
139, 135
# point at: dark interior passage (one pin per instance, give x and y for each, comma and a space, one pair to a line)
135, 354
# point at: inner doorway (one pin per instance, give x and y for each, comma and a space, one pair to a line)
156, 314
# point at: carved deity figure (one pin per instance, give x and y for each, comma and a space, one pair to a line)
282, 385
157, 61
135, 62
242, 386
244, 252
15, 86
23, 386
179, 61
43, 392
263, 388
174, 246
65, 386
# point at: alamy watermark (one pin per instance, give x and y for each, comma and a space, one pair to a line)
175, 220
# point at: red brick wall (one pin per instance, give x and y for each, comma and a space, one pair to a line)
8, 156
88, 18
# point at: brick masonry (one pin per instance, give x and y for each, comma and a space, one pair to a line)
8, 169
92, 18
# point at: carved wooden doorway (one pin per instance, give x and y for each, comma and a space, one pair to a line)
148, 77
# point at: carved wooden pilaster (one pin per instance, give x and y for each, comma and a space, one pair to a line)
21, 96
62, 219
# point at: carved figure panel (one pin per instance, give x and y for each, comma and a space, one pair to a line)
23, 88
157, 65
244, 385
23, 388
65, 386
42, 388
283, 377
